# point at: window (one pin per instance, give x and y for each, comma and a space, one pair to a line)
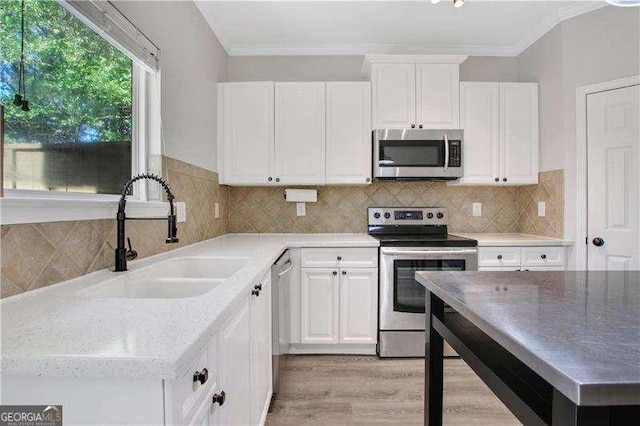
79, 133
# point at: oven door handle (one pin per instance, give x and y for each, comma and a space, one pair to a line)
396, 252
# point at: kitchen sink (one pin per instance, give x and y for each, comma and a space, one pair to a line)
170, 279
156, 288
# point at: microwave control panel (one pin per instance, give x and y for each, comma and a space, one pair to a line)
455, 154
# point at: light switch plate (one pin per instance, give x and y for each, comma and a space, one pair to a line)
301, 209
542, 208
477, 209
216, 210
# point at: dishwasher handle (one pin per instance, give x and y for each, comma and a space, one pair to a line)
281, 273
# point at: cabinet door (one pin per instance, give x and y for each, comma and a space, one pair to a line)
319, 310
261, 352
300, 133
246, 133
394, 95
358, 305
479, 118
519, 133
348, 133
235, 375
438, 96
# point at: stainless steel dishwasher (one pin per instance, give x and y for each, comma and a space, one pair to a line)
280, 279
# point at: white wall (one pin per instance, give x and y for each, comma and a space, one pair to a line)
192, 62
599, 46
489, 68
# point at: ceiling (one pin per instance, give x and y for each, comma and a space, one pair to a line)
491, 28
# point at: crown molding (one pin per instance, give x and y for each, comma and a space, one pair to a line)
538, 32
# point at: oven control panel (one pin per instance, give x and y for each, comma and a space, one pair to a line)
407, 216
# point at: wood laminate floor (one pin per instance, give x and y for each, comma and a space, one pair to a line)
364, 390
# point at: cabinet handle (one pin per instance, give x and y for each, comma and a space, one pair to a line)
277, 179
335, 272
269, 178
544, 256
255, 293
499, 257
339, 257
219, 398
413, 126
504, 179
497, 179
344, 272
200, 378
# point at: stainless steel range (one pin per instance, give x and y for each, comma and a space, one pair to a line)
412, 239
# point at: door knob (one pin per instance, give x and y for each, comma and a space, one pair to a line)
598, 242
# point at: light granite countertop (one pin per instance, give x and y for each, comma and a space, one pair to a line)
57, 331
513, 240
580, 331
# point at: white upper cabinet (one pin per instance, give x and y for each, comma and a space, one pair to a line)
500, 123
245, 132
438, 96
348, 133
519, 133
415, 91
300, 133
394, 95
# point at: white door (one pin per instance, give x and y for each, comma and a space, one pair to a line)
438, 96
519, 133
261, 351
300, 133
358, 305
235, 375
247, 133
393, 95
613, 154
479, 118
320, 300
348, 133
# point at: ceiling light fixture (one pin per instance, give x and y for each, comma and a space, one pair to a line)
624, 3
458, 3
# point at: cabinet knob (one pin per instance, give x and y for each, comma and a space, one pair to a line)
219, 398
504, 179
200, 378
255, 292
499, 257
277, 179
420, 126
413, 126
258, 286
368, 179
344, 272
335, 272
339, 257
497, 179
269, 178
543, 256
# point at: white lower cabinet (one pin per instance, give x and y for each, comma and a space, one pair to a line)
510, 258
338, 306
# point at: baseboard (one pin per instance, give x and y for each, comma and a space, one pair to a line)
344, 349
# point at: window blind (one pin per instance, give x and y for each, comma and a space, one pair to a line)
104, 18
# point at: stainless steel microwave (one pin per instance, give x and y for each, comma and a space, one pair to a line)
417, 154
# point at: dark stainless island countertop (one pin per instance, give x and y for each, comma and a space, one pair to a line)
580, 331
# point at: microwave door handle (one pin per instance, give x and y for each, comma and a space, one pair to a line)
446, 152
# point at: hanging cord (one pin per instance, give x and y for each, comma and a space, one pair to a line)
20, 98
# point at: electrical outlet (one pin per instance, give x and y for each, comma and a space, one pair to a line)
542, 208
216, 210
477, 209
301, 209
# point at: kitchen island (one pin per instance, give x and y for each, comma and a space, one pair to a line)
559, 348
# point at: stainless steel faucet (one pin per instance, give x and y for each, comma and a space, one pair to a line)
122, 254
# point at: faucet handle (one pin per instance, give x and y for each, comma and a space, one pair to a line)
131, 253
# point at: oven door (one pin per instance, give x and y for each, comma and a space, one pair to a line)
402, 298
417, 153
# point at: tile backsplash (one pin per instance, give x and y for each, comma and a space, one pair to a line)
344, 208
41, 254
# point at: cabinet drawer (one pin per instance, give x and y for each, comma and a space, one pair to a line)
186, 397
542, 256
498, 256
339, 258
